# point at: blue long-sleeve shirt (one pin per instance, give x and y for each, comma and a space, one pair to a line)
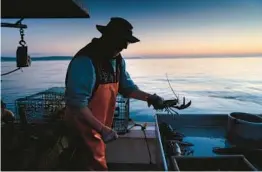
81, 78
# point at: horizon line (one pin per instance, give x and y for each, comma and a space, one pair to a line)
54, 58
157, 56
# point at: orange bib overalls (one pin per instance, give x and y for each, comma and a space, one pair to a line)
90, 148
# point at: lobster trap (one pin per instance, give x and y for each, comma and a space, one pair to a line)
40, 106
121, 116
46, 104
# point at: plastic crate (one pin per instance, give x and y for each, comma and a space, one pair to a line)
43, 105
216, 163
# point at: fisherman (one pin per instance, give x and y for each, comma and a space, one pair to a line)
95, 76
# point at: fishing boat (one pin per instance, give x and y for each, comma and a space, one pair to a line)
173, 142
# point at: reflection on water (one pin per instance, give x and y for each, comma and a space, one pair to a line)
215, 85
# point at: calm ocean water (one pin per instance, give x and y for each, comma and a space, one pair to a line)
215, 85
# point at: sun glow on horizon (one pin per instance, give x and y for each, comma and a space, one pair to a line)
164, 27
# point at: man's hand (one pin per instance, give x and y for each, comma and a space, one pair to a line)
156, 101
108, 134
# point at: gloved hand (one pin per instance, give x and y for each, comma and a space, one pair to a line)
156, 101
108, 134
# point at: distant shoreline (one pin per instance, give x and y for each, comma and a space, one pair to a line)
55, 58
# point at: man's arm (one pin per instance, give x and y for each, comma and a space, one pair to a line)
80, 83
139, 95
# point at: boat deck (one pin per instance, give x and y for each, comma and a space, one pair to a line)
130, 153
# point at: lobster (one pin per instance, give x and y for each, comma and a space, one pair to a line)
172, 104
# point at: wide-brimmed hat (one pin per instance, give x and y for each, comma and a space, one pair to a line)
119, 27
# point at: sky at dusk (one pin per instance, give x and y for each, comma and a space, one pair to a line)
165, 28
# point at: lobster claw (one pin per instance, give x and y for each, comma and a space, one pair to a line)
170, 103
183, 106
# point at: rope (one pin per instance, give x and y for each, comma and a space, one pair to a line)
147, 145
143, 128
10, 72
